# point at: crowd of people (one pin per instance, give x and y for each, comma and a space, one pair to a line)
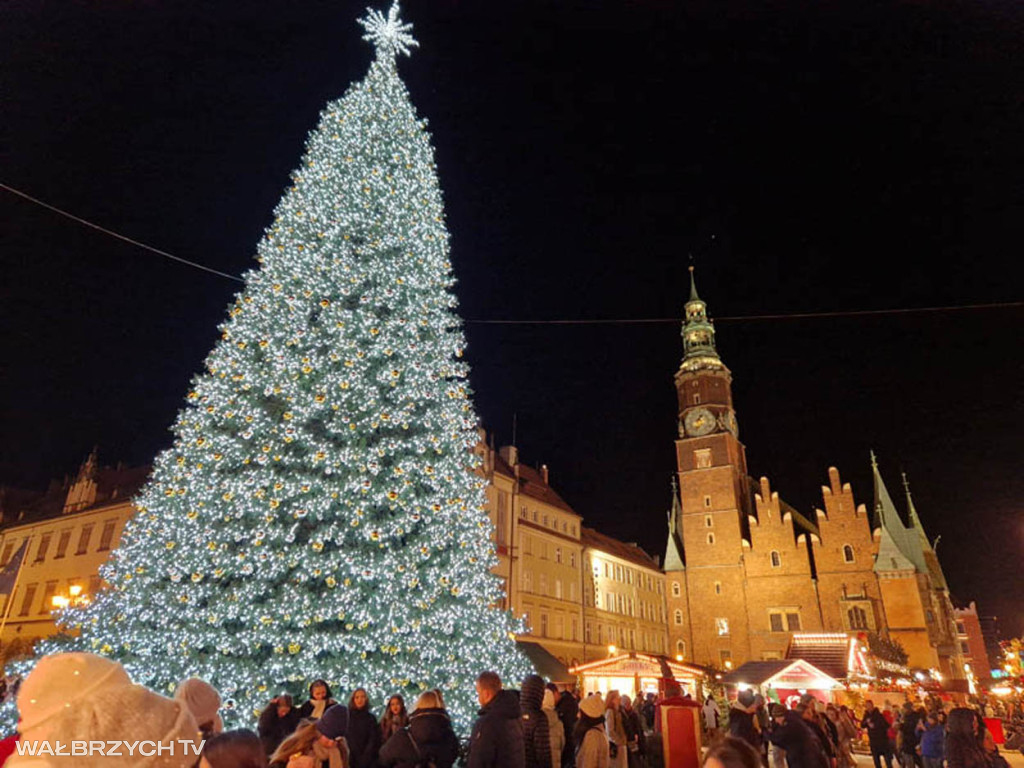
816, 734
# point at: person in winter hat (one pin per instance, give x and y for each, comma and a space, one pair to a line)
536, 736
203, 702
555, 730
589, 739
83, 697
568, 709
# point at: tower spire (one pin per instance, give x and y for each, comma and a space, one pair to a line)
698, 334
915, 521
899, 548
674, 548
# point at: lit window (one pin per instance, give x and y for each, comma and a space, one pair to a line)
726, 657
681, 648
722, 627
847, 553
702, 458
776, 559
857, 617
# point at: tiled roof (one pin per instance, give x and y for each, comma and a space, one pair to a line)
532, 484
630, 552
830, 655
756, 672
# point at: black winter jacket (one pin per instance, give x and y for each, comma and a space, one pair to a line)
428, 738
803, 749
877, 726
273, 729
567, 708
536, 734
497, 738
363, 738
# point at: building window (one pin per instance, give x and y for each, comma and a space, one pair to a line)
558, 554
702, 458
600, 632
527, 544
529, 622
44, 544
961, 628
609, 600
696, 398
722, 627
543, 625
501, 519
95, 585
62, 543
677, 617
523, 513
676, 591
607, 571
48, 592
543, 583
711, 538
26, 601
847, 553
718, 587
726, 657
565, 527
545, 521
776, 559
587, 633
8, 551
107, 536
575, 628
964, 648
775, 622
527, 581
707, 503
536, 516
558, 589
572, 591
858, 617
572, 559
793, 622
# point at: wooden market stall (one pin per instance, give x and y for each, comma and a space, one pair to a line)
782, 680
634, 673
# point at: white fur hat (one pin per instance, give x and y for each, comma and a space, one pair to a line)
202, 700
101, 704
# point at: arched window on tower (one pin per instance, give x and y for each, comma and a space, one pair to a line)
681, 648
678, 617
776, 559
847, 553
711, 538
858, 617
676, 592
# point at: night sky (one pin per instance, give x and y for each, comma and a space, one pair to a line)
812, 157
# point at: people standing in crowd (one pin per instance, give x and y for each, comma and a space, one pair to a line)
615, 730
932, 736
845, 732
568, 708
319, 700
741, 719
648, 710
793, 734
363, 734
877, 726
556, 733
234, 749
589, 739
84, 697
394, 719
316, 743
809, 715
204, 704
712, 715
536, 738
731, 752
632, 722
963, 746
907, 732
497, 737
277, 721
428, 739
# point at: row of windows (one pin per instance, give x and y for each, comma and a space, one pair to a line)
626, 575
554, 627
776, 558
545, 551
677, 589
624, 637
64, 541
542, 586
628, 606
554, 522
29, 606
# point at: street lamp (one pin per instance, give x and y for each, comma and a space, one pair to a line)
611, 650
75, 597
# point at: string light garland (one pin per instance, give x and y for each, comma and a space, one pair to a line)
317, 514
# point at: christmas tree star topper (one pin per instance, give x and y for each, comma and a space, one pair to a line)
388, 32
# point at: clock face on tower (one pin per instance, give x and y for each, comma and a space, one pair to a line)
700, 421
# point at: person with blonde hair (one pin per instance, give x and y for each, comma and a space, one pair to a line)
428, 739
316, 744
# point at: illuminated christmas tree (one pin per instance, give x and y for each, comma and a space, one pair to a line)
317, 514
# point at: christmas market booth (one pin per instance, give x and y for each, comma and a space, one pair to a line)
638, 673
781, 680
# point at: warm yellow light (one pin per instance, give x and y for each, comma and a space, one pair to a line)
611, 650
728, 664
59, 601
679, 657
75, 590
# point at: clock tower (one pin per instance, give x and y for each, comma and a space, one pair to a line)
714, 494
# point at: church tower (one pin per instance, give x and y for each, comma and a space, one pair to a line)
714, 497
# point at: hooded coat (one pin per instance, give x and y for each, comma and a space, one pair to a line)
536, 736
568, 709
428, 738
497, 737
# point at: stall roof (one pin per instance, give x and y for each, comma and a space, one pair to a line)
547, 666
797, 672
640, 664
828, 652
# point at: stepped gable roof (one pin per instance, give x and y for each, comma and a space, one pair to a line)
119, 482
616, 548
829, 653
531, 483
